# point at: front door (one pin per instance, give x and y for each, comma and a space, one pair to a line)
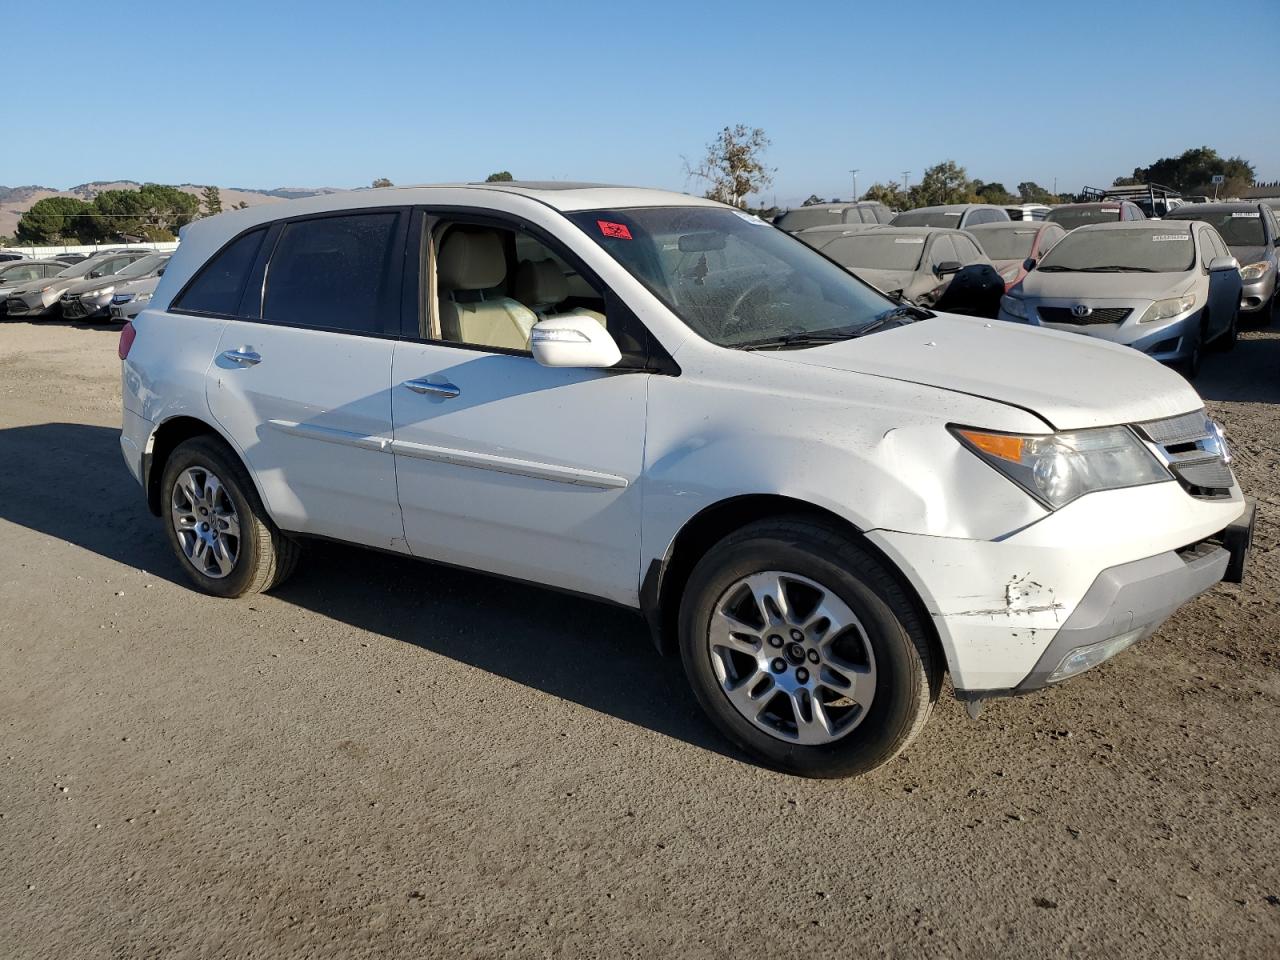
503, 464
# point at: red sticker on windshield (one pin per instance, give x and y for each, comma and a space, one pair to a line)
611, 229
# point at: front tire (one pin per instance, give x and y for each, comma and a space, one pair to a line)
805, 650
222, 536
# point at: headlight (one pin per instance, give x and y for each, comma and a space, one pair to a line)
102, 292
122, 298
1057, 468
1164, 309
1014, 307
144, 297
1254, 271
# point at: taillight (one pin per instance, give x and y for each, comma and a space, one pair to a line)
127, 334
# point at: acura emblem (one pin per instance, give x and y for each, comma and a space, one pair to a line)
1081, 310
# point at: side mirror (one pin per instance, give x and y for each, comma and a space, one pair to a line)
947, 267
1029, 264
95, 274
573, 341
1219, 264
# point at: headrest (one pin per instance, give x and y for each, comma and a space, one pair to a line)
540, 282
471, 260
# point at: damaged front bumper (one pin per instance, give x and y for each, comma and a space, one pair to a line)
1065, 594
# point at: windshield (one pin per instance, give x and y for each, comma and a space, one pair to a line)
1072, 217
808, 217
927, 218
140, 268
732, 277
1239, 228
80, 269
1006, 243
1160, 248
876, 251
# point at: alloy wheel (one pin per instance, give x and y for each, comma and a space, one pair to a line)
205, 519
791, 657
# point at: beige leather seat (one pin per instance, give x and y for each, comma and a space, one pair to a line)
470, 262
543, 286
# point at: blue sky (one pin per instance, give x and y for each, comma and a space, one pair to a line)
270, 94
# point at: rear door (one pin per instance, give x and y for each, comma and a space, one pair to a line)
302, 386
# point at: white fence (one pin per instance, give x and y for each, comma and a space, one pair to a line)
89, 249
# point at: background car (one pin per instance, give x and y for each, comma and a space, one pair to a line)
1010, 245
20, 273
132, 296
817, 236
1167, 288
1072, 215
1252, 233
931, 267
956, 216
1028, 211
10, 255
41, 296
826, 214
92, 297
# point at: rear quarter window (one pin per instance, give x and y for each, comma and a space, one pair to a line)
218, 287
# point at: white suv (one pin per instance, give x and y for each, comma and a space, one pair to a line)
822, 498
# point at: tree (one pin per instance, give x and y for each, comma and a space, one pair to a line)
154, 211
383, 182
942, 183
212, 200
734, 165
890, 194
502, 176
1193, 172
1031, 192
992, 193
53, 218
813, 200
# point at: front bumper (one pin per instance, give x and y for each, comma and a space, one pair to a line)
1256, 294
999, 606
31, 305
83, 308
1170, 340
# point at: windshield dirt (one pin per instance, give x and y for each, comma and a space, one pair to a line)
1072, 217
1159, 248
927, 218
877, 251
1239, 228
734, 279
1007, 244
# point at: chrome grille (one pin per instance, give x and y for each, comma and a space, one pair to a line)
1191, 448
1097, 315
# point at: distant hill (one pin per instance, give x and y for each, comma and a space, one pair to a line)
14, 201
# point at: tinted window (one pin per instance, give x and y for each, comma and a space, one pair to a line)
942, 250
217, 288
332, 273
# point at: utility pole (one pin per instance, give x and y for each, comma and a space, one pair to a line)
906, 180
855, 185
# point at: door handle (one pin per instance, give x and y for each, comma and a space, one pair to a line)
245, 356
421, 385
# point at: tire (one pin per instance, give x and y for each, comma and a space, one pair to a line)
261, 556
890, 656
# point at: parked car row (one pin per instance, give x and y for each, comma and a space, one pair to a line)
111, 283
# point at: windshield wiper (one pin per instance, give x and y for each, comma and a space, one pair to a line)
1053, 268
814, 339
1111, 268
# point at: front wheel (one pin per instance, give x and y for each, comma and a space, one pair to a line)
222, 536
1191, 365
805, 650
1228, 338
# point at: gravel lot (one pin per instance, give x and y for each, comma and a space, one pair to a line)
388, 759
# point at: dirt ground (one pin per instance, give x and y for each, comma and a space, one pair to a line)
385, 758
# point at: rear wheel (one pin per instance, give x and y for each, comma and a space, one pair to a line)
805, 650
224, 540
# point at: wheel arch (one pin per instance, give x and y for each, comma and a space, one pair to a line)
166, 438
664, 580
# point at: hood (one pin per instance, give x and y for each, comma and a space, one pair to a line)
1248, 255
1107, 286
35, 286
81, 285
1068, 380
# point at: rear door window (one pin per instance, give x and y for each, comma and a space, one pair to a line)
334, 273
217, 288
941, 251
967, 249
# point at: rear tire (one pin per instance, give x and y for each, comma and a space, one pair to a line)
216, 524
808, 699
